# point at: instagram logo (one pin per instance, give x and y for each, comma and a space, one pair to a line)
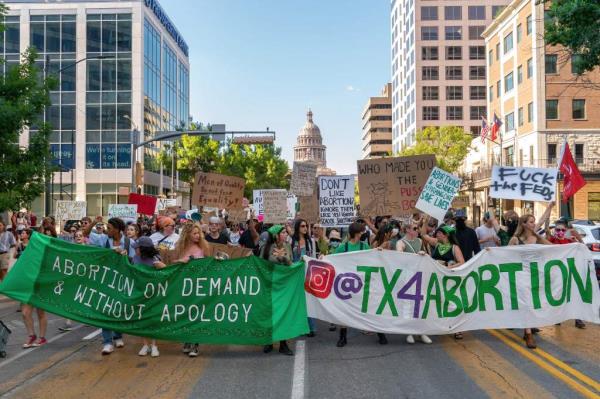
319, 278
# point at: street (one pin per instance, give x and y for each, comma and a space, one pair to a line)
484, 364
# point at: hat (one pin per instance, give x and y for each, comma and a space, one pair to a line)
143, 242
334, 235
446, 229
460, 214
449, 215
276, 229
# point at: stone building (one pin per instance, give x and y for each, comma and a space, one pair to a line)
309, 146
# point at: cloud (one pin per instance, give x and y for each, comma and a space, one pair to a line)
352, 88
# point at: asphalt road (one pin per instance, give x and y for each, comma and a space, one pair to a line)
484, 364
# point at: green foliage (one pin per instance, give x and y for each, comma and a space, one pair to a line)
196, 154
23, 96
450, 144
574, 25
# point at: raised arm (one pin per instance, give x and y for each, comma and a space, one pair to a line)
546, 215
424, 236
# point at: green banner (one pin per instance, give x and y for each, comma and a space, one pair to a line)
239, 301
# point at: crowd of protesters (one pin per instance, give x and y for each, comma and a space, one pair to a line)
160, 241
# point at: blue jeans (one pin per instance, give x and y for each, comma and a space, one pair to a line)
109, 335
311, 324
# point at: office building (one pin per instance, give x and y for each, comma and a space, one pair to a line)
377, 125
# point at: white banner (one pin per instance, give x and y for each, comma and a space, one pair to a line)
258, 203
506, 287
438, 192
336, 200
529, 184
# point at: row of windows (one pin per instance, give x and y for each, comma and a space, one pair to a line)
577, 109
508, 40
509, 80
454, 13
432, 113
453, 73
431, 53
453, 93
450, 33
551, 64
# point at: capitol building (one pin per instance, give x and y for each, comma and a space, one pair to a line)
309, 146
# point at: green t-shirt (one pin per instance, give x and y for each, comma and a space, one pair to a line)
350, 247
504, 237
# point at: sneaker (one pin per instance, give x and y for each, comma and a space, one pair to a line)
119, 343
154, 351
41, 341
107, 349
410, 339
30, 342
144, 351
66, 328
425, 339
187, 348
195, 351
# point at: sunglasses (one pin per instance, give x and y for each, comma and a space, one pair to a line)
303, 225
560, 229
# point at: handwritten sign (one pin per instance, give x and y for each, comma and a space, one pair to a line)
529, 184
125, 212
146, 204
438, 192
212, 189
292, 206
303, 177
391, 186
275, 209
164, 203
336, 200
70, 210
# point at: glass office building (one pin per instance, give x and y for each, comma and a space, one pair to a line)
120, 66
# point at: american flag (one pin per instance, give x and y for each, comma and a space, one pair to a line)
485, 129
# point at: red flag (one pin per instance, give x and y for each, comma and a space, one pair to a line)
573, 181
496, 123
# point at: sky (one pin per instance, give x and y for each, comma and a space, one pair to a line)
262, 63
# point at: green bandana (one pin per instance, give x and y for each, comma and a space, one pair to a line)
276, 229
443, 248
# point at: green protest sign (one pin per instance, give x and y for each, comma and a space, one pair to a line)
238, 301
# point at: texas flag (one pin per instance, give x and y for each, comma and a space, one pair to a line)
496, 123
573, 181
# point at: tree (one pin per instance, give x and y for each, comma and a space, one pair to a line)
574, 25
196, 154
450, 144
23, 97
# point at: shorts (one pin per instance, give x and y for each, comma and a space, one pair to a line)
4, 261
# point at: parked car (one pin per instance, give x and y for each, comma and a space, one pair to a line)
590, 234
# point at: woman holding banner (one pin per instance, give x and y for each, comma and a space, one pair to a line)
303, 245
277, 250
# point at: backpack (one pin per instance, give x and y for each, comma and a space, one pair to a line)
346, 246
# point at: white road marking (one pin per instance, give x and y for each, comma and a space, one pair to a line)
28, 351
92, 335
299, 370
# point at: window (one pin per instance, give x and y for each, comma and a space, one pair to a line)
520, 74
490, 57
530, 112
491, 92
576, 67
521, 117
429, 13
477, 72
509, 155
453, 53
429, 33
429, 53
508, 82
431, 113
477, 93
452, 13
529, 68
497, 51
578, 109
498, 88
552, 109
477, 112
510, 121
453, 32
578, 153
454, 113
477, 52
551, 152
430, 73
519, 33
476, 12
550, 64
431, 93
475, 130
529, 25
454, 73
496, 10
454, 93
594, 209
475, 32
508, 43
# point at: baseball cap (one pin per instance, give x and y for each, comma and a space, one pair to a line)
460, 214
143, 242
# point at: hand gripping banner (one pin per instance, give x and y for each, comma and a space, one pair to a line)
239, 301
508, 287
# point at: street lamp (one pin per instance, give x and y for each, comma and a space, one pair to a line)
134, 146
50, 180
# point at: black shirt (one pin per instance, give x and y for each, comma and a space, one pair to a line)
223, 239
246, 241
468, 242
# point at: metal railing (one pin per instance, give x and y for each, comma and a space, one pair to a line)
585, 165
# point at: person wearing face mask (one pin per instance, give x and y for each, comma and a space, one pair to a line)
466, 236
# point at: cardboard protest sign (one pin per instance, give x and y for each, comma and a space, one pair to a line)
309, 208
221, 251
303, 177
126, 212
213, 189
336, 200
146, 204
292, 205
529, 184
437, 194
238, 215
164, 203
275, 209
70, 210
258, 204
391, 186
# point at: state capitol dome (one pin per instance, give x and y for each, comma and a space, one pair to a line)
309, 146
